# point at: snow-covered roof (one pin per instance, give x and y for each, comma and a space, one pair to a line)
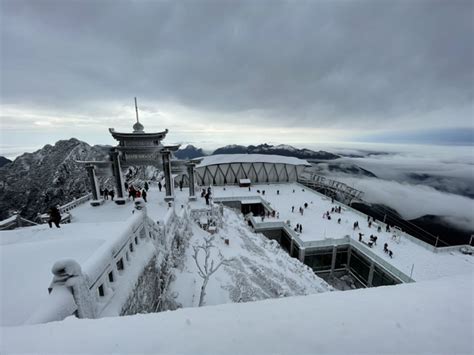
250, 158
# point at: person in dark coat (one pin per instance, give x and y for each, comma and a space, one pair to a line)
54, 217
112, 194
126, 185
106, 194
146, 186
181, 185
144, 194
159, 185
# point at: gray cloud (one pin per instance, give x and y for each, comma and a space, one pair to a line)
306, 63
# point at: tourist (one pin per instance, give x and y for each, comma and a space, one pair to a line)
356, 225
360, 236
370, 224
137, 194
181, 185
385, 248
278, 192
126, 185
132, 192
390, 254
101, 192
306, 205
250, 189
373, 238
379, 229
207, 196
292, 209
301, 228
146, 186
144, 194
263, 192
112, 194
278, 215
339, 221
54, 217
160, 186
106, 194
387, 229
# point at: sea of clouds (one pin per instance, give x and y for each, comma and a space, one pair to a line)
414, 180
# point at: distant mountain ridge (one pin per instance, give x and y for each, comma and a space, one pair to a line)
191, 152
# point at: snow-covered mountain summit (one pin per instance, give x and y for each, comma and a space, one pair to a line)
49, 176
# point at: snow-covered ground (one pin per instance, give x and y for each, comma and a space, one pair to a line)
429, 317
27, 254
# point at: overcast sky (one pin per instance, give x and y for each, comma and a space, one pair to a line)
221, 72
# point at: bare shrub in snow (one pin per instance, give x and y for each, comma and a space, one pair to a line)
205, 271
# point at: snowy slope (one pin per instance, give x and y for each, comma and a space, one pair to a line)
430, 317
260, 269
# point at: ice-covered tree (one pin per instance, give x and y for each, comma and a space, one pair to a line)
209, 267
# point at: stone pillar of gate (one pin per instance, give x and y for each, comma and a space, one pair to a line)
165, 154
94, 185
117, 171
190, 166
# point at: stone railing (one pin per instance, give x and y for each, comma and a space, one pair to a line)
15, 221
74, 203
85, 290
208, 218
65, 209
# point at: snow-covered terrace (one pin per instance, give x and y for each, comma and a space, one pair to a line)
28, 254
407, 253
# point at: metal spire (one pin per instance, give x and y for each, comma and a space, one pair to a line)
136, 109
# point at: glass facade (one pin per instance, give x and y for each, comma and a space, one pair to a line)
359, 266
319, 259
341, 257
381, 278
285, 241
